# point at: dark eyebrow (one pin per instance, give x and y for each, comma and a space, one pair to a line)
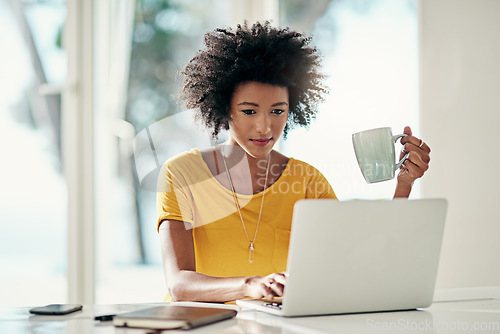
248, 103
256, 105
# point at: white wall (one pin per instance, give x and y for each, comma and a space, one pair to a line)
253, 11
460, 119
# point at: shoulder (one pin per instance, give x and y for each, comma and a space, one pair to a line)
301, 168
184, 169
184, 159
317, 184
187, 165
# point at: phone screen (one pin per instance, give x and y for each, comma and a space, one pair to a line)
55, 309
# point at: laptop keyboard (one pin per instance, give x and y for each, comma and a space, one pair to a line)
276, 305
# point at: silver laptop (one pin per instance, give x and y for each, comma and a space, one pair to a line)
360, 256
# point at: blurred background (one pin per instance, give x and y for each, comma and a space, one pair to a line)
88, 113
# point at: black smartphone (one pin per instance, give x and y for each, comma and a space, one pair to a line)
56, 309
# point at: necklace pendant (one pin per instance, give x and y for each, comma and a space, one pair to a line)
250, 252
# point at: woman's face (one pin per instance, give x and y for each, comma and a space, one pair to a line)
258, 115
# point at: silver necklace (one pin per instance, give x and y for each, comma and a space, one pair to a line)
251, 247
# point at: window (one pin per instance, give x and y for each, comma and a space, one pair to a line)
33, 196
165, 36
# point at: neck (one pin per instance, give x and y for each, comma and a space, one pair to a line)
242, 165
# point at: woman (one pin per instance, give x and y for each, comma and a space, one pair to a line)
225, 213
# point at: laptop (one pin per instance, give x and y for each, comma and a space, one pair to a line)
360, 256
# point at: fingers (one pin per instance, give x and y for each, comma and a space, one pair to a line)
413, 141
275, 289
415, 165
419, 151
418, 159
266, 292
407, 131
280, 278
261, 288
276, 284
413, 144
269, 290
265, 287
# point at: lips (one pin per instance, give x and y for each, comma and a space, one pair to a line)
261, 142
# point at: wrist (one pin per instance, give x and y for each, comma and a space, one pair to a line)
250, 286
246, 282
403, 189
405, 184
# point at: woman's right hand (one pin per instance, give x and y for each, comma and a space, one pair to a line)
265, 286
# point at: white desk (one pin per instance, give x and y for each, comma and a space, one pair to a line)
471, 310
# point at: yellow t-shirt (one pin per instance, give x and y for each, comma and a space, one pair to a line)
189, 192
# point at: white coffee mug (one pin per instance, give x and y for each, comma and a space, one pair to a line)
375, 153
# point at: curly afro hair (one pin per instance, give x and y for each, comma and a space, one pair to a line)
259, 53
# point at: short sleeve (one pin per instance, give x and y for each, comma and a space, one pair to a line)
173, 199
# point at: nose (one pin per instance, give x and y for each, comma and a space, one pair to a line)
263, 123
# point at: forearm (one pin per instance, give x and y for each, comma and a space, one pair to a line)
193, 286
185, 284
403, 190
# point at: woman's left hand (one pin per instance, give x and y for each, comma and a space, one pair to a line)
418, 160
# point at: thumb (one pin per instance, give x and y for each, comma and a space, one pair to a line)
407, 131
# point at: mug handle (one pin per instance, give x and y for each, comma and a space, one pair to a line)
400, 163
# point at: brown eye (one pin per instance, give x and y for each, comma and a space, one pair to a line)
248, 111
278, 111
